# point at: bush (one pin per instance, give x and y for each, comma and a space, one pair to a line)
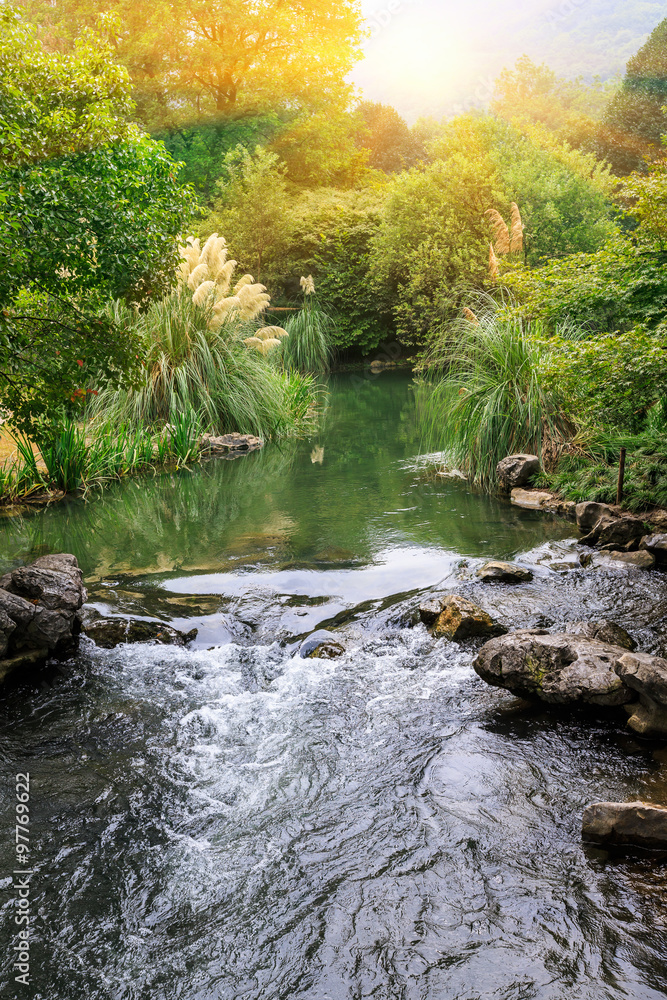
613, 379
483, 397
308, 346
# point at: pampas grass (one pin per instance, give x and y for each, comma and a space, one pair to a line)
500, 231
309, 346
493, 264
516, 230
481, 398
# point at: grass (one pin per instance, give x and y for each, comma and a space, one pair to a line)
594, 475
481, 397
77, 459
309, 346
191, 368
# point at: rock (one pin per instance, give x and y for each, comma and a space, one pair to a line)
57, 590
503, 572
589, 512
321, 645
565, 567
615, 532
110, 632
461, 619
39, 611
639, 824
657, 519
230, 445
430, 611
516, 470
655, 544
621, 560
647, 675
603, 631
531, 499
561, 669
642, 560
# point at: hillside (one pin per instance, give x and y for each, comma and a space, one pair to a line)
430, 59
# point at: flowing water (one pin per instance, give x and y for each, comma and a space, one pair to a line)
233, 821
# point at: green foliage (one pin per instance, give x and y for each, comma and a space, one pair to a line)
563, 195
100, 216
636, 120
254, 208
309, 347
613, 378
391, 144
333, 239
57, 104
483, 397
594, 475
192, 368
184, 433
202, 149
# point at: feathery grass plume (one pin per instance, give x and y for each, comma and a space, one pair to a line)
493, 263
203, 292
516, 231
198, 275
192, 366
501, 233
267, 332
470, 316
482, 397
307, 285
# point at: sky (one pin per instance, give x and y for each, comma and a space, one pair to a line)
429, 57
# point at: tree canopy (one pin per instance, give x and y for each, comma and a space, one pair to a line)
190, 59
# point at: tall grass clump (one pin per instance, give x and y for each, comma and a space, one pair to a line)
199, 354
309, 346
481, 397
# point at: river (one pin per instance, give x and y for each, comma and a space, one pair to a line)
232, 821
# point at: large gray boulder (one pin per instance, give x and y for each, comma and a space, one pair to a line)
561, 669
589, 512
516, 470
603, 631
615, 532
647, 675
656, 544
639, 824
39, 607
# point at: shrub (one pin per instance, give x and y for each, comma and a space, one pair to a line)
483, 397
196, 360
308, 346
613, 379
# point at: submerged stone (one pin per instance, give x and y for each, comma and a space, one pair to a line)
111, 632
321, 645
639, 824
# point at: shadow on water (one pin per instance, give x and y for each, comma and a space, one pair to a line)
235, 822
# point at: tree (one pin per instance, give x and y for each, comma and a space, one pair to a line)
190, 59
91, 210
635, 120
253, 211
391, 145
571, 109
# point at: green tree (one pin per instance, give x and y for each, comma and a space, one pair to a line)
388, 139
635, 120
253, 211
190, 59
91, 210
